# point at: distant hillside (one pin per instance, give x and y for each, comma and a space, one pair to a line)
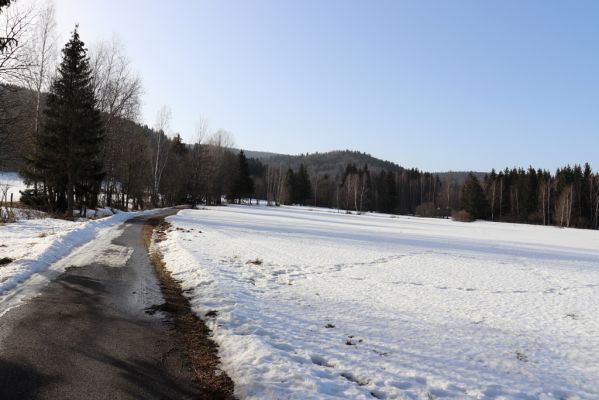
261, 155
334, 162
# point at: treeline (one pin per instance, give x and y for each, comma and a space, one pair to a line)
568, 198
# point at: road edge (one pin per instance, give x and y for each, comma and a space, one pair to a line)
192, 331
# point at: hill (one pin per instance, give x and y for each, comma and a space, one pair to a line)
334, 162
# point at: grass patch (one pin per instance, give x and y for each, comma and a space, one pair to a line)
194, 334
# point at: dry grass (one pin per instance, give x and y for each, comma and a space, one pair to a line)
257, 261
462, 216
202, 351
5, 261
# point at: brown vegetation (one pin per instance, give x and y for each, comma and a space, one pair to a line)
462, 216
5, 261
202, 351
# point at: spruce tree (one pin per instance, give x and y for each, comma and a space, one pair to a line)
243, 184
68, 147
303, 187
473, 198
290, 183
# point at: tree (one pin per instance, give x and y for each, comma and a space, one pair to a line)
275, 184
243, 184
161, 151
15, 59
118, 93
216, 164
68, 148
15, 62
196, 164
301, 187
473, 198
43, 54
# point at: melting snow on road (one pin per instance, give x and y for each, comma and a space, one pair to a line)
37, 245
315, 304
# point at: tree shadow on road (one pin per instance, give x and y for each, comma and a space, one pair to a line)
20, 381
145, 380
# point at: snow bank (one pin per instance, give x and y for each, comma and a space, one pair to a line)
313, 304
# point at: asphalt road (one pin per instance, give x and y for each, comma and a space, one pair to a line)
87, 336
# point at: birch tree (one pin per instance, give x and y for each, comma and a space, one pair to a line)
197, 160
43, 57
160, 150
118, 90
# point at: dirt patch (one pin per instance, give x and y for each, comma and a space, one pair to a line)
5, 261
194, 334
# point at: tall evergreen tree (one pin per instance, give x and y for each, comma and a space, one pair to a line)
473, 197
302, 187
68, 148
243, 184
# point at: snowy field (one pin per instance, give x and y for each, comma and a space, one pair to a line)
315, 304
14, 183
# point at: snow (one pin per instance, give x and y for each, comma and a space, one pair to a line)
368, 306
37, 245
14, 182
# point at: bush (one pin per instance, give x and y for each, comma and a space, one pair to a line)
427, 210
462, 216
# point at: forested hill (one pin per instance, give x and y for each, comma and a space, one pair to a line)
334, 162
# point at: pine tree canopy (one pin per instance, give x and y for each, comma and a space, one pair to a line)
68, 158
243, 184
473, 197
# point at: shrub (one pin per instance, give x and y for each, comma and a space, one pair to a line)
427, 210
462, 216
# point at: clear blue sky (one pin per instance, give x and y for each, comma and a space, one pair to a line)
436, 85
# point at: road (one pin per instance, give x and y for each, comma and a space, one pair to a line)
88, 336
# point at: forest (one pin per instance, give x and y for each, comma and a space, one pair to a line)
69, 123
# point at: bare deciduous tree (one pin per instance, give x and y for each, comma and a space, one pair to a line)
118, 92
197, 161
219, 144
43, 54
15, 24
160, 150
15, 29
118, 89
275, 184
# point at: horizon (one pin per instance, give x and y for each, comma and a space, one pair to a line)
434, 86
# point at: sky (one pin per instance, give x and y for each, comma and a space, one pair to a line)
437, 85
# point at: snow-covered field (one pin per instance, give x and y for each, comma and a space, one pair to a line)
14, 183
369, 306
